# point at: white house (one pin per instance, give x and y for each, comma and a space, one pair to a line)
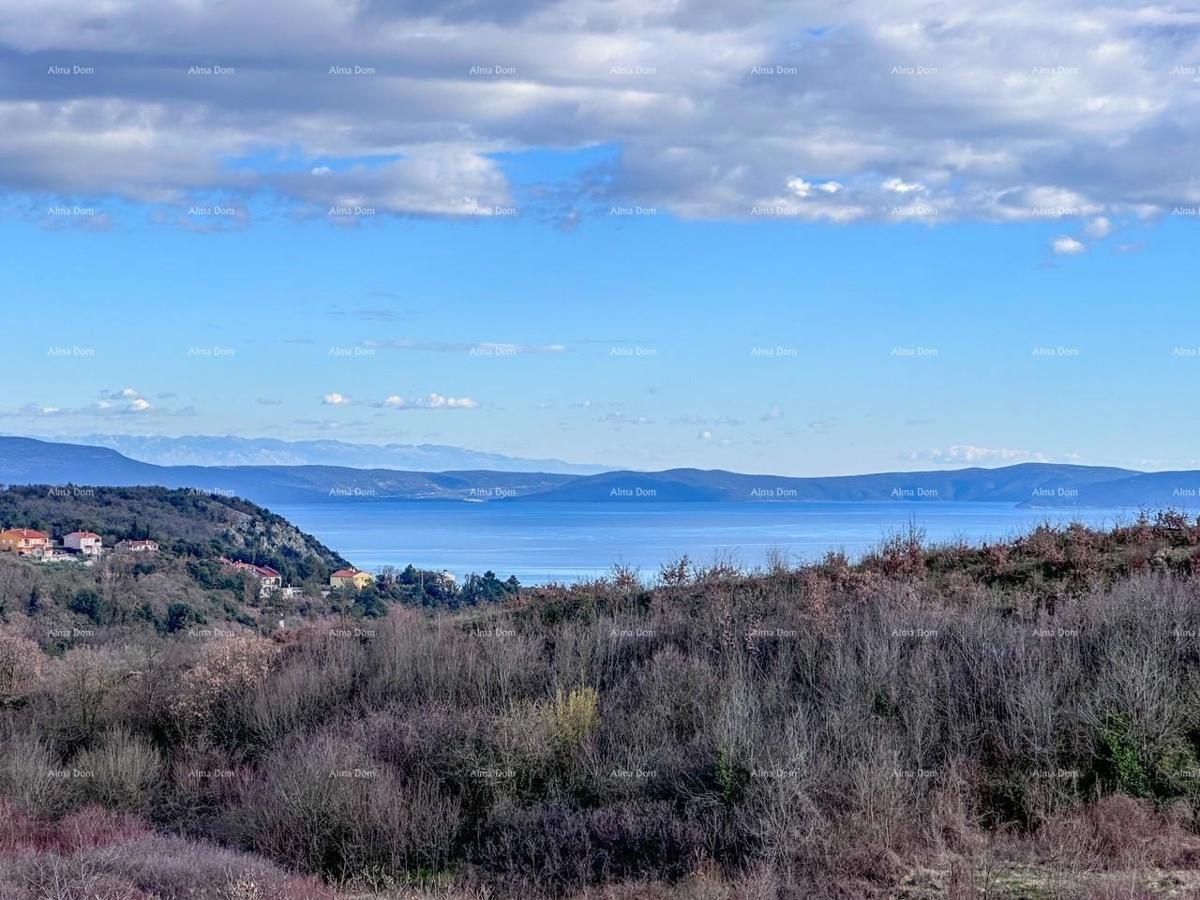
139, 546
271, 581
87, 543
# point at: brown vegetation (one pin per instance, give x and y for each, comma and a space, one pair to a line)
947, 721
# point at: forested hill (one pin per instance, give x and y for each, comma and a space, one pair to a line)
189, 522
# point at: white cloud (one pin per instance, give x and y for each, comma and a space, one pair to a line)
104, 408
970, 454
335, 399
898, 186
1099, 227
999, 118
429, 401
799, 187
437, 401
1065, 245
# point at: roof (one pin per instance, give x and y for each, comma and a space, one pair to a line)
24, 533
261, 571
141, 541
345, 573
84, 534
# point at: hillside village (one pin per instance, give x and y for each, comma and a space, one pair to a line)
76, 546
84, 547
93, 562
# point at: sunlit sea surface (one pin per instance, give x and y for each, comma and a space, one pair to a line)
565, 542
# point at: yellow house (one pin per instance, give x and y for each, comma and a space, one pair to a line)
352, 577
24, 541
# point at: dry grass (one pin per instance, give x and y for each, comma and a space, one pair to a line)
954, 721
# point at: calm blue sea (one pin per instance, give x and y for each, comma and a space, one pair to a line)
544, 542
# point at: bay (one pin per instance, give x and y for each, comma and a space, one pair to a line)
566, 542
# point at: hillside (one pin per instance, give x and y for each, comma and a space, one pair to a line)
178, 519
1009, 721
183, 584
188, 581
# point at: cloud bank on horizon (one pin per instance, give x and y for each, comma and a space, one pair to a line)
833, 112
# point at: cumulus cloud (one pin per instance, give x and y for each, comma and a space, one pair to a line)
1065, 245
970, 454
971, 106
429, 401
1099, 227
335, 399
114, 404
799, 187
899, 186
127, 393
437, 401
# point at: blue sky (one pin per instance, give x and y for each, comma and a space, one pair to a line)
831, 238
646, 340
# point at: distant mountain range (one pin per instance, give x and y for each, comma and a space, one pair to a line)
207, 450
29, 461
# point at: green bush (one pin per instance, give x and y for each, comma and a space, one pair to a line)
1120, 759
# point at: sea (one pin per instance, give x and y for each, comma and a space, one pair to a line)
546, 542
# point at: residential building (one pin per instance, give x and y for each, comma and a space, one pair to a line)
350, 578
24, 541
87, 543
139, 546
271, 580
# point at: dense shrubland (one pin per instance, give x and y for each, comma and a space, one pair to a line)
927, 722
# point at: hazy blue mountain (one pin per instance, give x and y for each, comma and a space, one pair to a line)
1153, 490
29, 461
1015, 484
204, 450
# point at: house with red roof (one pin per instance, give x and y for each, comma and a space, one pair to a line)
86, 543
25, 541
270, 579
350, 578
